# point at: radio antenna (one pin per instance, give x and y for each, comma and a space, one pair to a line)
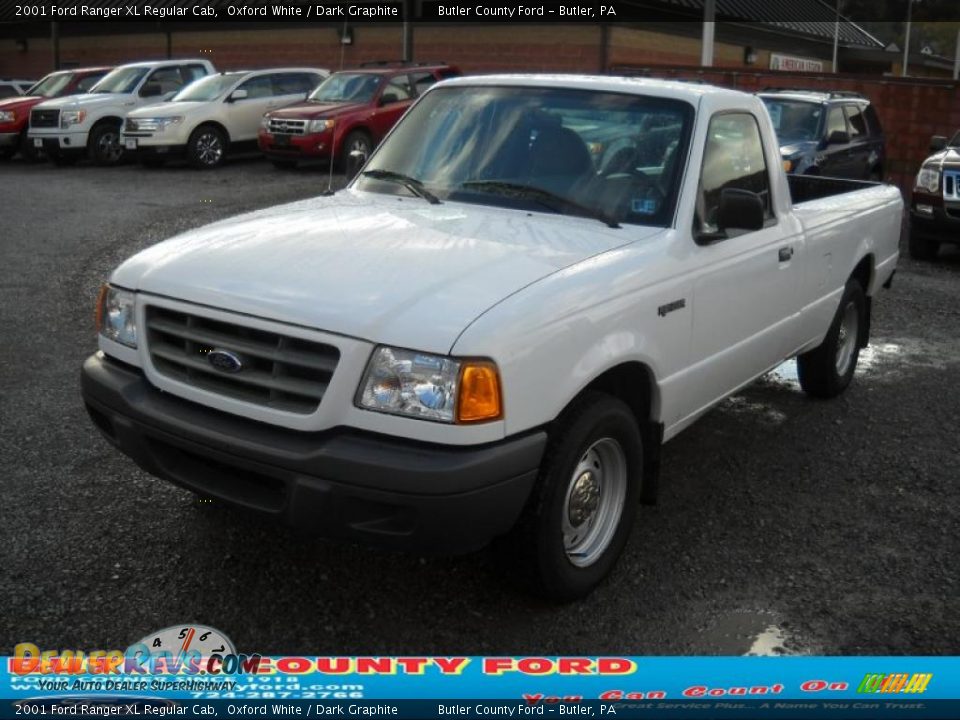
333, 157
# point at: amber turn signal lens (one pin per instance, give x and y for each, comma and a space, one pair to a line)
101, 299
479, 394
787, 165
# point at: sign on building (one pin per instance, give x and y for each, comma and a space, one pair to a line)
794, 64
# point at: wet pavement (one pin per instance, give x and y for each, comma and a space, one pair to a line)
785, 525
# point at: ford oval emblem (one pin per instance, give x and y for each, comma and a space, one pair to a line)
225, 360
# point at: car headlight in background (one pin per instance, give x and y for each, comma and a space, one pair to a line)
116, 315
265, 122
7, 116
72, 117
928, 179
430, 387
158, 124
319, 125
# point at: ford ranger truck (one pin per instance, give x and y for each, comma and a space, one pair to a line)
66, 129
490, 333
935, 204
15, 111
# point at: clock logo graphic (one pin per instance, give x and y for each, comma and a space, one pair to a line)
178, 640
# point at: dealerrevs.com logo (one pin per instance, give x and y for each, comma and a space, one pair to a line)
895, 683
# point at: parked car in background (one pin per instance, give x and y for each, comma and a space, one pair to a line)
350, 112
935, 205
15, 111
68, 128
11, 88
834, 134
214, 116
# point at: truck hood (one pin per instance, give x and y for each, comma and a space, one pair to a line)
947, 156
310, 110
383, 268
87, 101
20, 102
163, 109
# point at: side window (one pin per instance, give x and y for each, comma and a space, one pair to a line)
733, 158
193, 72
836, 121
398, 88
257, 87
292, 84
857, 121
168, 78
873, 122
84, 84
421, 81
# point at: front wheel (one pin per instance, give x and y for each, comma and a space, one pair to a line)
206, 147
355, 151
579, 517
104, 145
827, 370
922, 248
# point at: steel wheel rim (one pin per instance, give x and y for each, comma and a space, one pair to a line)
847, 338
109, 146
209, 148
594, 502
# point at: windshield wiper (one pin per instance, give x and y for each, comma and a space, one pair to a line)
548, 199
410, 183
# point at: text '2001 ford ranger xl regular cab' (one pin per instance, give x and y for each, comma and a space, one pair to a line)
532, 284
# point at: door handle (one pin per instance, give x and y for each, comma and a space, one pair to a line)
785, 253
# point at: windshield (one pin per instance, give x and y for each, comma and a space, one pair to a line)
610, 156
51, 85
209, 88
121, 80
794, 120
344, 87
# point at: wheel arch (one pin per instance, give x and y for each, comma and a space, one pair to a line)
214, 124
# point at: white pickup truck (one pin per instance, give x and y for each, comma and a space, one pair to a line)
67, 128
534, 282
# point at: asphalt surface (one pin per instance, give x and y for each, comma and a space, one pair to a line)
785, 525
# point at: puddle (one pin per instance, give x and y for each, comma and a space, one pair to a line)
738, 404
746, 633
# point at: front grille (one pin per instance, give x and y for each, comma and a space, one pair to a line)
284, 126
45, 118
951, 184
277, 371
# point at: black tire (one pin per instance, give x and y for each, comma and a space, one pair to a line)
537, 548
27, 151
357, 141
284, 164
207, 147
104, 146
922, 248
827, 370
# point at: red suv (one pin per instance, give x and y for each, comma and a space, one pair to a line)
15, 111
348, 114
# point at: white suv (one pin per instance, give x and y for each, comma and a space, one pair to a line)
68, 127
219, 113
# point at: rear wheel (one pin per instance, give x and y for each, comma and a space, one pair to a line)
827, 370
104, 144
923, 248
206, 147
579, 517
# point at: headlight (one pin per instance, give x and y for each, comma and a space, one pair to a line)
430, 387
6, 116
320, 125
116, 315
928, 179
72, 117
156, 124
265, 122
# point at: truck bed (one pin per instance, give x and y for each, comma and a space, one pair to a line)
804, 188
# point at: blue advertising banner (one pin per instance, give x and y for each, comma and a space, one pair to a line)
138, 682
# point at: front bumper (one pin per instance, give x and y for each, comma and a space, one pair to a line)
147, 146
8, 140
58, 140
292, 147
342, 483
943, 225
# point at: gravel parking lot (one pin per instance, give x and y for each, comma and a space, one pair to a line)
784, 524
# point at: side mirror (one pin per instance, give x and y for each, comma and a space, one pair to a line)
740, 210
389, 98
937, 143
240, 94
839, 137
151, 90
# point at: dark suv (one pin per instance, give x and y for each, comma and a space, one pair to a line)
935, 205
834, 134
348, 114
